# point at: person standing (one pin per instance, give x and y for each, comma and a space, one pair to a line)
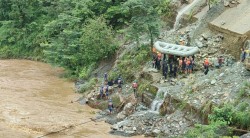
105, 76
101, 92
106, 91
188, 40
243, 54
206, 65
119, 81
110, 106
154, 61
180, 63
220, 61
175, 70
135, 86
165, 72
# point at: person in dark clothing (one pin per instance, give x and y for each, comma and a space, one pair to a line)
105, 76
220, 61
119, 82
110, 106
158, 64
243, 54
154, 61
111, 82
175, 70
101, 92
164, 64
188, 40
170, 58
165, 72
164, 57
170, 69
183, 65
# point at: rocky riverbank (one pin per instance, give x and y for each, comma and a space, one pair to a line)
180, 102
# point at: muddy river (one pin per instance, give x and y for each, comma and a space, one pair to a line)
34, 101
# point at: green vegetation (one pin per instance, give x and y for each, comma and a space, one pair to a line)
145, 86
222, 120
227, 119
244, 90
103, 104
75, 34
88, 85
215, 129
131, 63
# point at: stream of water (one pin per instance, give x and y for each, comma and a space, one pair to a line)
159, 98
183, 11
35, 101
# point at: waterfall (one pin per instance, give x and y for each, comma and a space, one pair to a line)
184, 10
159, 98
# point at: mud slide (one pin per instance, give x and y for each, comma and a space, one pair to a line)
173, 49
35, 101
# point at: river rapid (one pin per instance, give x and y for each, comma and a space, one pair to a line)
34, 101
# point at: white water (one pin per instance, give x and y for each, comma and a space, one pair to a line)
184, 10
159, 98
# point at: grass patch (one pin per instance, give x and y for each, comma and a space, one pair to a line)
131, 63
88, 85
145, 86
244, 91
102, 104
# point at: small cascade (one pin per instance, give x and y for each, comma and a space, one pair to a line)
184, 10
159, 98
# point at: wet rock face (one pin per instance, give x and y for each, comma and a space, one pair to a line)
167, 107
127, 110
147, 99
147, 76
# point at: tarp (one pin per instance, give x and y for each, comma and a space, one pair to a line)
173, 49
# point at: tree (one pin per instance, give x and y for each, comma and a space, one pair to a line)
145, 19
77, 48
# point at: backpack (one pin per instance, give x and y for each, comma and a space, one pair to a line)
135, 85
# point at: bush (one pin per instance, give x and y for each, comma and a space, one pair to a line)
86, 71
88, 85
213, 130
224, 114
147, 87
130, 63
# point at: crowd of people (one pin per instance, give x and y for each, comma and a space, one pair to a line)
104, 89
172, 65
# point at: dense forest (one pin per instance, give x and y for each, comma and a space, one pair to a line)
76, 34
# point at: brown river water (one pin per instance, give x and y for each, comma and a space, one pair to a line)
34, 101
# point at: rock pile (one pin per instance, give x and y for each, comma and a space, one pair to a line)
149, 123
231, 3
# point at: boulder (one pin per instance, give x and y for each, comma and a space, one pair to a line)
226, 3
128, 109
213, 82
121, 115
156, 131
